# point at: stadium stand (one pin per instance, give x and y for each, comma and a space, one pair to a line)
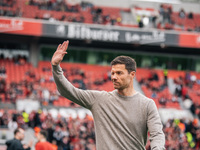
187, 87
155, 86
20, 76
85, 12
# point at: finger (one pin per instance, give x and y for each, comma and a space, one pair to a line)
62, 45
65, 45
64, 53
58, 46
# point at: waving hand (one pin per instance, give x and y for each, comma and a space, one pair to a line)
59, 53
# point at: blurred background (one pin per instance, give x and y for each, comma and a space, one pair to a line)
163, 36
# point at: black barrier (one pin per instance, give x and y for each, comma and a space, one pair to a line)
110, 34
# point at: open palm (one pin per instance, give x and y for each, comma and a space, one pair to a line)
59, 53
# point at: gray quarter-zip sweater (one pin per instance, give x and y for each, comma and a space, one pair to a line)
121, 122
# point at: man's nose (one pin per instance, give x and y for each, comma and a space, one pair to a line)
114, 77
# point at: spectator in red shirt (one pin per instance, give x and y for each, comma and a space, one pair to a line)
184, 91
43, 144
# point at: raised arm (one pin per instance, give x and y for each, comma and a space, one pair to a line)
85, 98
157, 137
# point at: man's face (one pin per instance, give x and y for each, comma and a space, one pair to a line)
21, 134
120, 77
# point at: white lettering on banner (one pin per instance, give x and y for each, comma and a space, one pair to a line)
11, 25
15, 23
145, 38
82, 32
60, 30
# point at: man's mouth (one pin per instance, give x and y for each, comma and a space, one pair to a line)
115, 83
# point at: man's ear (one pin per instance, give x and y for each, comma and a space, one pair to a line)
133, 73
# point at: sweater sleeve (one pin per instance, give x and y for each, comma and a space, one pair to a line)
157, 137
85, 98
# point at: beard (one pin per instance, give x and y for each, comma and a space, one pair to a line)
118, 86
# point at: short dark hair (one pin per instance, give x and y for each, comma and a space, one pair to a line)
16, 131
129, 63
44, 133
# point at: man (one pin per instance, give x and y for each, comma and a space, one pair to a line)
43, 144
15, 144
122, 117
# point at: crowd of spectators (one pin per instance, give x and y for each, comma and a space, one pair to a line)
61, 6
78, 133
186, 87
68, 133
7, 3
57, 5
40, 86
97, 14
165, 12
27, 88
182, 134
160, 19
158, 88
183, 15
2, 71
188, 16
11, 13
99, 18
167, 19
65, 133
